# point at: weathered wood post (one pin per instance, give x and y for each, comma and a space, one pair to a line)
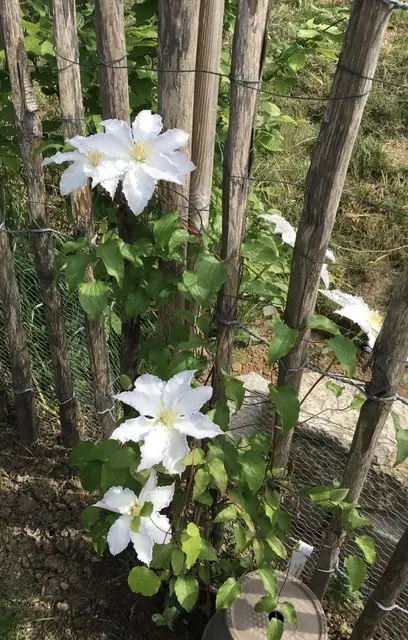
114, 92
325, 181
390, 357
73, 123
23, 387
246, 74
30, 134
205, 110
388, 589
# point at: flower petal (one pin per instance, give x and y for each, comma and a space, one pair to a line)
157, 527
118, 500
138, 188
143, 545
171, 140
146, 396
120, 129
111, 186
325, 275
282, 228
192, 400
159, 167
133, 430
177, 387
182, 162
108, 170
357, 313
146, 125
73, 178
153, 448
68, 156
175, 449
330, 255
198, 426
159, 496
111, 145
341, 298
119, 535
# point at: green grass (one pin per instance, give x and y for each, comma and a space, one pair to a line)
10, 621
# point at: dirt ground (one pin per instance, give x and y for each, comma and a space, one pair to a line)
52, 584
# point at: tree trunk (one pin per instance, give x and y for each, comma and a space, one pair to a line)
246, 73
30, 133
389, 588
26, 409
389, 362
324, 184
69, 81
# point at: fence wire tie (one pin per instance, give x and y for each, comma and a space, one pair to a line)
105, 411
21, 392
295, 369
392, 607
61, 404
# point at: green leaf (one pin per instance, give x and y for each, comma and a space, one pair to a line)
275, 629
289, 612
335, 388
261, 249
286, 404
186, 590
202, 284
401, 436
191, 547
266, 604
125, 382
283, 340
204, 573
228, 592
205, 498
207, 551
357, 521
234, 390
80, 453
146, 510
201, 481
367, 546
259, 551
217, 470
321, 323
356, 570
164, 228
221, 414
103, 450
357, 402
124, 458
253, 469
346, 352
177, 561
276, 545
112, 258
90, 475
194, 457
268, 576
240, 537
227, 514
111, 477
322, 495
162, 556
178, 238
192, 530
93, 297
89, 516
136, 303
75, 270
297, 61
143, 580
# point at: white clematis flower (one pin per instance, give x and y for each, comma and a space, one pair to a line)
284, 229
355, 309
86, 163
169, 411
152, 529
146, 156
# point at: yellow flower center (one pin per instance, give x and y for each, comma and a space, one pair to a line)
139, 152
167, 417
376, 320
136, 509
95, 157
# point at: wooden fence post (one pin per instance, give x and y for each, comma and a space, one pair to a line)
30, 133
205, 110
390, 358
177, 51
246, 73
388, 589
24, 393
73, 123
324, 184
114, 92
